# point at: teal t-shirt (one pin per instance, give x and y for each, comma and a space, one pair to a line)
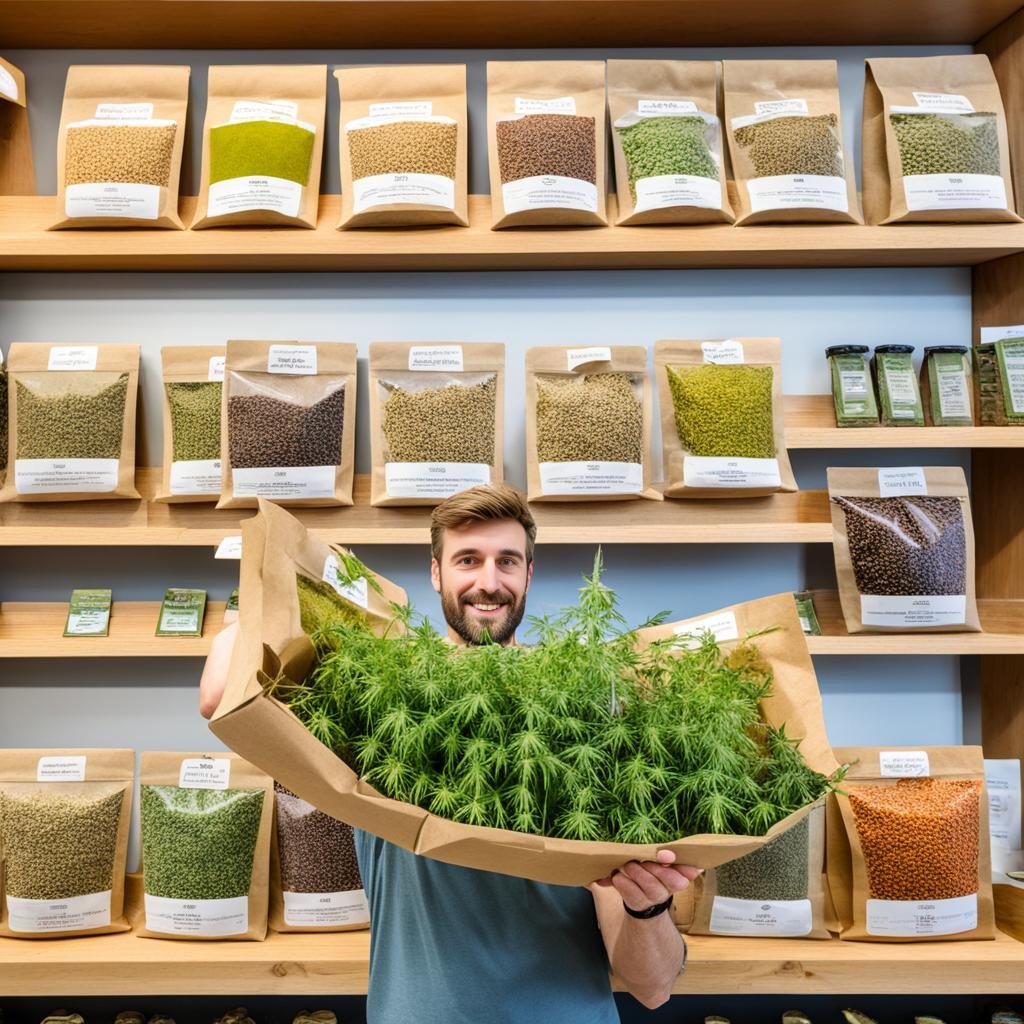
451, 945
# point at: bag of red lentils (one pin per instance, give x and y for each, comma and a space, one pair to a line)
908, 845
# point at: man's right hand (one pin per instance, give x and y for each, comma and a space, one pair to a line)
215, 671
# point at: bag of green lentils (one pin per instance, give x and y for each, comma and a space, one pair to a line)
64, 817
947, 390
935, 146
119, 146
206, 821
263, 142
72, 422
193, 378
546, 142
436, 419
722, 430
667, 142
786, 142
589, 415
403, 146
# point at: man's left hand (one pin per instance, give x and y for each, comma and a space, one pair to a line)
645, 884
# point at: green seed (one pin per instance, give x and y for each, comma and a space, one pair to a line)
947, 143
778, 871
260, 149
195, 420
667, 145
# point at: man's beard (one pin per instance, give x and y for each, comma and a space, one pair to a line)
498, 631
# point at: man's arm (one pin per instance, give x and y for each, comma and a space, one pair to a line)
645, 955
215, 671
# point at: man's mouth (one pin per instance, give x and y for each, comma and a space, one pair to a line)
484, 607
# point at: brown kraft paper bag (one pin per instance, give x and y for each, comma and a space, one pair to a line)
700, 385
786, 142
288, 423
403, 143
64, 817
603, 394
72, 422
17, 171
903, 541
436, 419
935, 146
908, 845
177, 790
193, 378
263, 143
546, 142
119, 146
677, 100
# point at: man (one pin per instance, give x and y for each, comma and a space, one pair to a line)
458, 945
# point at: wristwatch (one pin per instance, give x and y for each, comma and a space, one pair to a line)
646, 915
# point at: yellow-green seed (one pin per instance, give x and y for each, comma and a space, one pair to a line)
195, 419
947, 143
657, 146
793, 145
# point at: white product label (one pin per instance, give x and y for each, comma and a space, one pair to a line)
386, 189
581, 356
805, 623
72, 914
902, 390
722, 352
943, 103
913, 611
229, 547
88, 622
236, 195
798, 191
205, 773
781, 918
284, 482
955, 192
1002, 333
925, 917
666, 190
433, 479
1002, 779
706, 471
561, 105
295, 359
215, 371
405, 108
357, 591
196, 476
124, 112
8, 86
61, 769
436, 357
77, 357
906, 480
903, 764
215, 918
721, 626
284, 111
853, 384
1014, 363
549, 191
591, 477
666, 108
112, 199
323, 909
780, 108
180, 620
954, 402
55, 476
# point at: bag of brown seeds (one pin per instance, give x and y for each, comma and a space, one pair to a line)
64, 817
935, 146
546, 142
903, 542
72, 422
589, 415
119, 146
403, 146
436, 419
786, 142
908, 845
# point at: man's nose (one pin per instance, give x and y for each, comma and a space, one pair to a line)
488, 578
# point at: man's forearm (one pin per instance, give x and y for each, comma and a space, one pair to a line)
648, 957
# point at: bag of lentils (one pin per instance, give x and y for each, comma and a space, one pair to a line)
896, 386
946, 387
722, 431
193, 378
119, 146
588, 423
908, 845
64, 817
403, 146
288, 423
546, 142
904, 549
667, 142
852, 390
206, 824
315, 885
436, 419
935, 142
786, 142
263, 142
72, 422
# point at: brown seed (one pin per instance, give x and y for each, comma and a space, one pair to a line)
265, 432
547, 144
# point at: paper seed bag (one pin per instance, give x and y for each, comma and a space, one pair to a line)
17, 172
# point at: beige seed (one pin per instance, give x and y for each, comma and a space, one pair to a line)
122, 153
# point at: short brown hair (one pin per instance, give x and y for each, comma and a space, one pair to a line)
481, 505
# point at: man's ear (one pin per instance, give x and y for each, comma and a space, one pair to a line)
435, 575
529, 574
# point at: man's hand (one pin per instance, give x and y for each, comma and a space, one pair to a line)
645, 884
215, 671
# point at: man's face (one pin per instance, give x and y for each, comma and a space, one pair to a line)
482, 578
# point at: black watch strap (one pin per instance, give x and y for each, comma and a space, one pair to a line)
646, 915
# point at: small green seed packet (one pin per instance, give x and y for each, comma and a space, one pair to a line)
852, 390
232, 605
88, 613
181, 613
805, 610
1010, 353
898, 393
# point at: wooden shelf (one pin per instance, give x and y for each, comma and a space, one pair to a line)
25, 244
